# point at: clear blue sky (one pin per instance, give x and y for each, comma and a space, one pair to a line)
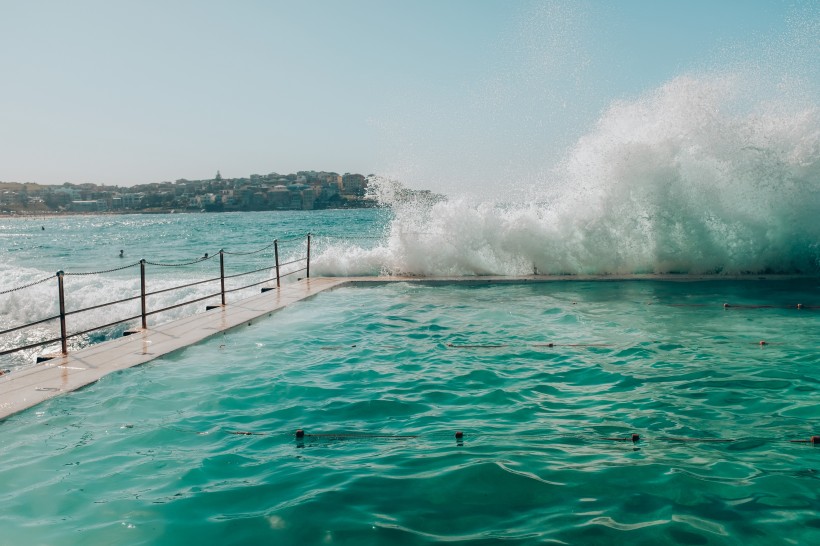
440, 93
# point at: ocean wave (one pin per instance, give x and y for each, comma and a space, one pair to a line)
693, 177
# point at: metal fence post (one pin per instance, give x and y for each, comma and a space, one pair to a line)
222, 273
307, 273
142, 295
276, 254
63, 337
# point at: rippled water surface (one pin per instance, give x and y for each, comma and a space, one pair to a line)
381, 378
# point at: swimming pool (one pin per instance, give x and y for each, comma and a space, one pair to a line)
200, 446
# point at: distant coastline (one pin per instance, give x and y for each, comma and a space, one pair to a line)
304, 190
46, 213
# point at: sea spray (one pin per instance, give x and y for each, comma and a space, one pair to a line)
693, 177
688, 179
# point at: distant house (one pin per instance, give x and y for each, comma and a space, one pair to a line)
89, 206
354, 184
279, 197
131, 200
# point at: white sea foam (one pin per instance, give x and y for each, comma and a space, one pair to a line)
41, 301
693, 177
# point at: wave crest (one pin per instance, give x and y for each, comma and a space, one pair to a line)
693, 177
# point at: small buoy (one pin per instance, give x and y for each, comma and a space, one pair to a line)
550, 345
300, 433
815, 440
800, 306
762, 342
636, 438
459, 435
725, 305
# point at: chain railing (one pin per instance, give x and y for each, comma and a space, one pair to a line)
144, 294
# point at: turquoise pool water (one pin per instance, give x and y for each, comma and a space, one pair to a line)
151, 455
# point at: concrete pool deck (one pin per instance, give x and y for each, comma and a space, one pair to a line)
25, 388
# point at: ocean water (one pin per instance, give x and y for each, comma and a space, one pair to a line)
34, 249
381, 378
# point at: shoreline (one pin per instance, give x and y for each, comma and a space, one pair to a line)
69, 214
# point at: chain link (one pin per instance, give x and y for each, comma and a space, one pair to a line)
248, 253
348, 237
26, 285
158, 264
101, 272
198, 260
297, 238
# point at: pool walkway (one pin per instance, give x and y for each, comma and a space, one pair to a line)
25, 388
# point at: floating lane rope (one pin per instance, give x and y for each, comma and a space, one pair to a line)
814, 440
459, 435
354, 436
746, 306
572, 345
635, 438
548, 345
452, 346
703, 440
791, 306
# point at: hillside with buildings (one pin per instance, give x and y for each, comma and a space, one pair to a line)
304, 190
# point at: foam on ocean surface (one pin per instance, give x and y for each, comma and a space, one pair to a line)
699, 176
